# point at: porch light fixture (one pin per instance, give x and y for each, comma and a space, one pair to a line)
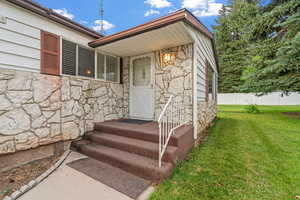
168, 57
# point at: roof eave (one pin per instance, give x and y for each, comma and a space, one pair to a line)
50, 14
181, 15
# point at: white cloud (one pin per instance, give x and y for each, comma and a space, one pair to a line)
151, 12
64, 13
193, 4
158, 3
203, 8
106, 25
172, 10
83, 22
211, 10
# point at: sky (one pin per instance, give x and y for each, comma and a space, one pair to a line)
123, 14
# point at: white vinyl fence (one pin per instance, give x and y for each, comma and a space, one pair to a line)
274, 98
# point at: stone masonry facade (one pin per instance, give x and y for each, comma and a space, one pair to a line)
175, 80
37, 109
207, 112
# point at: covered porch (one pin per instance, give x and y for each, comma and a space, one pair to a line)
156, 63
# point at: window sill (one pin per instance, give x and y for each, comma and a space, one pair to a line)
88, 78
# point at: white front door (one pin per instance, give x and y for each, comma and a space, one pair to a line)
141, 87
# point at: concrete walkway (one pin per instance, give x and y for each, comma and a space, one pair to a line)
66, 183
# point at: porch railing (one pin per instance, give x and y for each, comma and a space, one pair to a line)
172, 117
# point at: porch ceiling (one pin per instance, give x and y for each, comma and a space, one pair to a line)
168, 36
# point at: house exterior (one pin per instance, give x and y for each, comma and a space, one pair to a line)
58, 78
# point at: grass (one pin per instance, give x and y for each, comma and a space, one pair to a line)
245, 157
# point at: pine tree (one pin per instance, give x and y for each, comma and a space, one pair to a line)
274, 46
231, 46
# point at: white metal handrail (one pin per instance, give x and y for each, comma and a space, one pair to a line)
171, 118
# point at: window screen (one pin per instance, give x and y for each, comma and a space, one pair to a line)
112, 68
100, 65
86, 62
211, 81
68, 57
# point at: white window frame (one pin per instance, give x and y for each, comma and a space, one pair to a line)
213, 86
118, 69
95, 66
77, 61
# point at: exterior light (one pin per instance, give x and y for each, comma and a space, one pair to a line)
168, 57
88, 71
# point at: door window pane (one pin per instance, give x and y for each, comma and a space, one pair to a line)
111, 68
86, 62
100, 65
142, 71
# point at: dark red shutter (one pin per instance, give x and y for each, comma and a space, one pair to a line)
50, 53
206, 81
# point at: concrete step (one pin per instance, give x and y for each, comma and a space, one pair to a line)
132, 145
149, 132
136, 164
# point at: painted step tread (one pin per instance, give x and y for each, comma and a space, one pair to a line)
129, 141
127, 157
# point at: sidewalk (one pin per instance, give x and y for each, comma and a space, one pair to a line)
66, 183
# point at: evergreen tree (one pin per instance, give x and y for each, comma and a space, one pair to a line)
231, 46
274, 46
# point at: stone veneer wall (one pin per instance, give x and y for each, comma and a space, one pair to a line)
175, 80
38, 109
207, 112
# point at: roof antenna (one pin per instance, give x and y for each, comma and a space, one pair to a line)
101, 12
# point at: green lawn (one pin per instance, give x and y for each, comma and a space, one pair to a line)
246, 156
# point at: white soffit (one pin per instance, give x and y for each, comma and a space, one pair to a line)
165, 37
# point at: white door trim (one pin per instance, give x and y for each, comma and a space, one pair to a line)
151, 85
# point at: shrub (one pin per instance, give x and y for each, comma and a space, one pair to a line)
252, 109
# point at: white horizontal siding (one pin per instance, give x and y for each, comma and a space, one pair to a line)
203, 51
20, 37
16, 60
20, 49
20, 46
21, 28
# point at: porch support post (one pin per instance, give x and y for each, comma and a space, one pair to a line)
195, 110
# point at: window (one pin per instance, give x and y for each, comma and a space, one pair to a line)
211, 83
108, 67
86, 62
77, 60
100, 66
